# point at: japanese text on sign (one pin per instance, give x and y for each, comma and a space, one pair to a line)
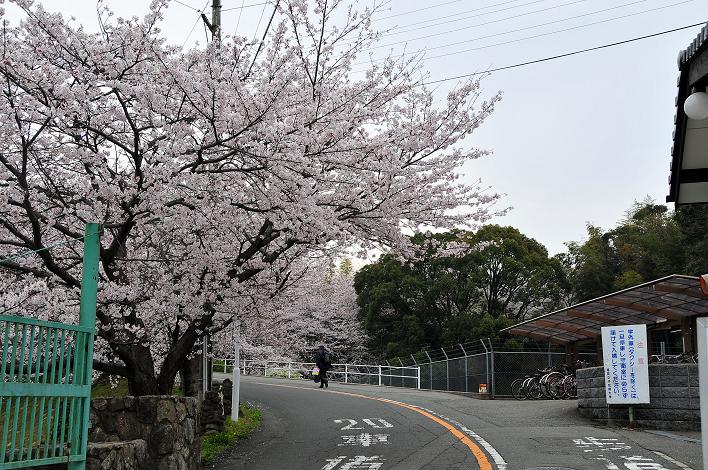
626, 364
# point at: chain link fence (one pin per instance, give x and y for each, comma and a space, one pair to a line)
485, 366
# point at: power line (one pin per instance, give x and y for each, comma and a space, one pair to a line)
465, 28
408, 27
184, 4
435, 6
255, 33
466, 41
238, 21
546, 59
564, 30
199, 17
245, 6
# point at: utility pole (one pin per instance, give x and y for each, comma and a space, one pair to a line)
215, 24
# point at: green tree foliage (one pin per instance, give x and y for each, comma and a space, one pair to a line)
648, 243
693, 224
495, 276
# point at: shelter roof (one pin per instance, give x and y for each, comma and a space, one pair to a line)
673, 297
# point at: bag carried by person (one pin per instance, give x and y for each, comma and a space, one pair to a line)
316, 373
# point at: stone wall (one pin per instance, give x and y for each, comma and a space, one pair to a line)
168, 425
673, 393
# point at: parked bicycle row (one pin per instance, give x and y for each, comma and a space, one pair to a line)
549, 384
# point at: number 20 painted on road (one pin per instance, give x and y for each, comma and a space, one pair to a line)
376, 423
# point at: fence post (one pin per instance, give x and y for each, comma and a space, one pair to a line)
465, 353
87, 317
486, 357
493, 384
430, 363
379, 375
346, 373
447, 369
265, 369
418, 377
290, 368
224, 365
414, 361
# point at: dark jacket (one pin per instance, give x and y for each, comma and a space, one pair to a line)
323, 364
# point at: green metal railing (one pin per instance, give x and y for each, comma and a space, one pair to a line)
45, 380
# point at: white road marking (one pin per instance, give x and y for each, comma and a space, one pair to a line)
352, 423
382, 422
496, 456
673, 461
590, 443
360, 462
639, 462
365, 440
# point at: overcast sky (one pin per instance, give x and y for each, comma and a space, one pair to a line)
575, 140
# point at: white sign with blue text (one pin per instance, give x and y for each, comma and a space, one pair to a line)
624, 350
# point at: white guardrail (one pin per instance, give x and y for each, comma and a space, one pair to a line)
404, 376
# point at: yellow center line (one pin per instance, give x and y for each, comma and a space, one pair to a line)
478, 453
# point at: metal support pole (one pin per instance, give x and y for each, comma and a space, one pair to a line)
265, 369
235, 391
447, 369
418, 377
290, 368
205, 365
486, 357
493, 384
702, 350
346, 373
379, 375
465, 353
430, 364
87, 318
401, 362
550, 360
414, 361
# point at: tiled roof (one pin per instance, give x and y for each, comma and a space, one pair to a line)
699, 43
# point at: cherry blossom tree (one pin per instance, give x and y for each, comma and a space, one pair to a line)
212, 171
320, 308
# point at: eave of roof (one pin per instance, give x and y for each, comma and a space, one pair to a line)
672, 297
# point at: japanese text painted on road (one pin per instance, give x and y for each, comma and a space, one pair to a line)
626, 362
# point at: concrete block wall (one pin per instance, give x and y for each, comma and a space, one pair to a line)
673, 392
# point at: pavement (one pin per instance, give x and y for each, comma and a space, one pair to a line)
357, 427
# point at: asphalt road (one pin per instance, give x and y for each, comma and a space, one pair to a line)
355, 427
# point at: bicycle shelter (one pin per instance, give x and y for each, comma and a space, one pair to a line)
668, 306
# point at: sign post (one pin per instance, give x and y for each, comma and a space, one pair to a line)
626, 363
702, 324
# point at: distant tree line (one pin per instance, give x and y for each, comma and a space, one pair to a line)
463, 285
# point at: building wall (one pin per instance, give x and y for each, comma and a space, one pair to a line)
673, 393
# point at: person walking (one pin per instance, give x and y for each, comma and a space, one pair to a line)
323, 360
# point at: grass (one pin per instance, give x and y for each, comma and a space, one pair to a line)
104, 389
216, 444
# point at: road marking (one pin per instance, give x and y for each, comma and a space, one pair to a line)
360, 462
365, 440
352, 423
673, 461
478, 453
382, 422
498, 459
